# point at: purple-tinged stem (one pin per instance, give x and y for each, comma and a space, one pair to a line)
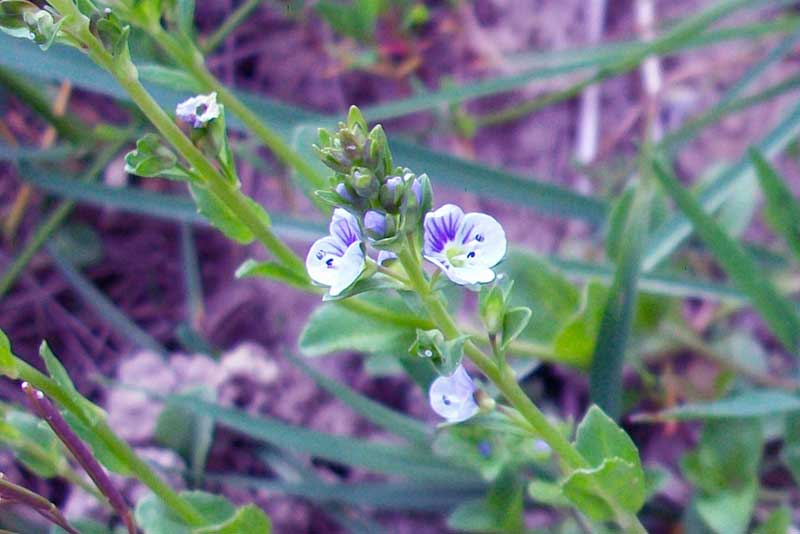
11, 493
45, 409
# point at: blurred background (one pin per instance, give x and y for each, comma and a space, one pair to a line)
531, 110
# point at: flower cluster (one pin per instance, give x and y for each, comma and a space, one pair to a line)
389, 208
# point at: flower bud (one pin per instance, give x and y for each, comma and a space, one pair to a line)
375, 224
341, 190
391, 193
364, 183
492, 306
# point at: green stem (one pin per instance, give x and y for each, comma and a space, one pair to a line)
230, 24
119, 448
506, 382
504, 379
187, 56
231, 196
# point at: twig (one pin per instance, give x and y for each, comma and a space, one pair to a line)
589, 119
45, 409
12, 222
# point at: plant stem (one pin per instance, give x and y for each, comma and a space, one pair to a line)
230, 24
126, 75
506, 382
119, 448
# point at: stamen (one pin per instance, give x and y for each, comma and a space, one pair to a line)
471, 254
445, 400
329, 262
479, 238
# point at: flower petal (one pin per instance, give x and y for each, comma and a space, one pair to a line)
452, 396
344, 227
441, 227
332, 264
484, 239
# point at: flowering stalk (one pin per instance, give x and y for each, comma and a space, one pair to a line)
45, 409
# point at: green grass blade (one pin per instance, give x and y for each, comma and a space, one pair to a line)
382, 458
605, 375
782, 209
754, 403
779, 314
17, 153
51, 223
672, 233
675, 141
377, 495
378, 414
178, 208
445, 169
104, 308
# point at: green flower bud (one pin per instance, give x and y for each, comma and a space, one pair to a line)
492, 308
364, 182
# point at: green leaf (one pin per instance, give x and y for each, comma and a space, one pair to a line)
392, 421
782, 210
778, 522
514, 323
500, 511
548, 493
154, 517
728, 512
222, 217
248, 519
721, 464
59, 374
153, 158
186, 432
271, 270
597, 492
334, 328
34, 444
790, 453
599, 438
779, 314
576, 340
551, 297
8, 362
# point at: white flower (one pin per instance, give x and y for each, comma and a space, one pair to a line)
198, 110
465, 247
337, 260
452, 396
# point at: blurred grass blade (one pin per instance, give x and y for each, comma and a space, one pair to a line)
720, 109
377, 495
779, 314
390, 459
670, 285
446, 169
378, 414
754, 403
181, 209
677, 228
178, 208
626, 57
605, 376
51, 223
782, 210
104, 308
17, 153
